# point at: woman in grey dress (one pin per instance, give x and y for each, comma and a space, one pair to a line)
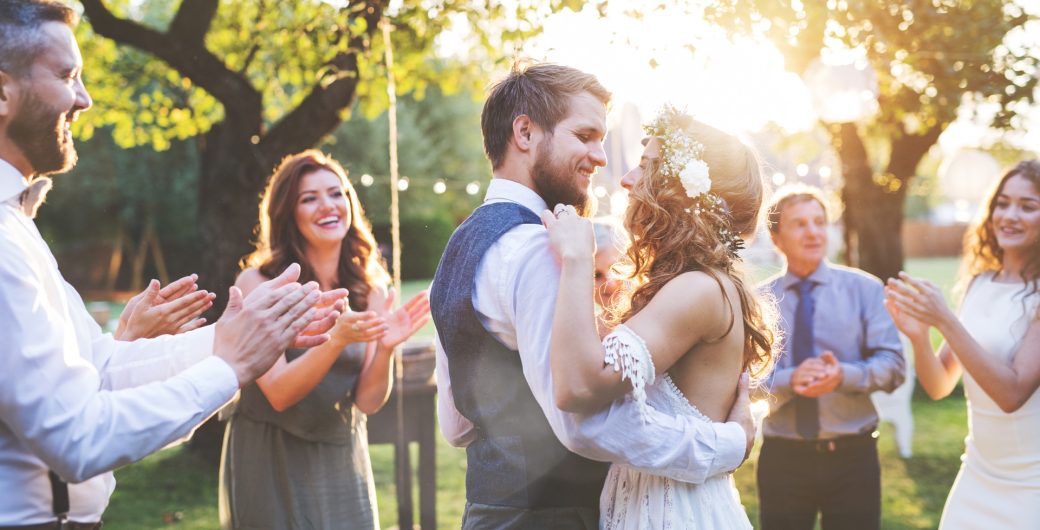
295, 452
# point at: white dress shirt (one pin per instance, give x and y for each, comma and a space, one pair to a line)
515, 297
74, 400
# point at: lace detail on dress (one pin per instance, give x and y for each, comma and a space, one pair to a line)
628, 354
680, 397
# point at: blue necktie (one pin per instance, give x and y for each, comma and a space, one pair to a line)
807, 410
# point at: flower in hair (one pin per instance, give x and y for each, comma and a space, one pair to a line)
694, 178
680, 158
680, 154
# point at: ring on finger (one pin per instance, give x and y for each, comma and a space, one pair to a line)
355, 327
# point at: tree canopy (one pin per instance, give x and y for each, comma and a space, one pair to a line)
932, 58
162, 72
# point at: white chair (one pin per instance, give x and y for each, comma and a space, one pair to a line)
895, 407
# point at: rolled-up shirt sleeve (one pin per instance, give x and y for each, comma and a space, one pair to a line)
684, 448
66, 411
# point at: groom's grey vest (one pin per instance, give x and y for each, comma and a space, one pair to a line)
515, 460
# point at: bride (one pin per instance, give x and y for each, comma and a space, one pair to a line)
688, 326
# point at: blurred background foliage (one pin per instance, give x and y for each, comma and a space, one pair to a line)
115, 190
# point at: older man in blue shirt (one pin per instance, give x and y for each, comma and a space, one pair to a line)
820, 451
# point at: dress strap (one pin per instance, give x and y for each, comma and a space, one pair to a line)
627, 353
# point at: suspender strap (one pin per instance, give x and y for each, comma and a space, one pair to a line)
60, 494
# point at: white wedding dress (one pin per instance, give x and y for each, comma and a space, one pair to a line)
998, 486
634, 500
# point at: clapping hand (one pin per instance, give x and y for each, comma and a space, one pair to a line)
405, 320
570, 235
359, 326
915, 304
817, 376
331, 305
913, 328
254, 330
164, 311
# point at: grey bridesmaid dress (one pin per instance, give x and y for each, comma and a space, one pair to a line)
304, 468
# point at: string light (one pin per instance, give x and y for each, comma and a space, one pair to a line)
825, 173
802, 170
440, 186
779, 178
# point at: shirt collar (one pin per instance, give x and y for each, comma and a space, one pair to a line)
821, 275
507, 190
12, 182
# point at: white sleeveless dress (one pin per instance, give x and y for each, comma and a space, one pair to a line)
634, 500
998, 486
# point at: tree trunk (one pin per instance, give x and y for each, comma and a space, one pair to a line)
232, 173
873, 225
874, 202
873, 208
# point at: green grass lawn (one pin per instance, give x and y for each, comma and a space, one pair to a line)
174, 488
176, 485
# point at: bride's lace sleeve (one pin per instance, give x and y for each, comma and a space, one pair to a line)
628, 354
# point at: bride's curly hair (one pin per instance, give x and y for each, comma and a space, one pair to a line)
669, 238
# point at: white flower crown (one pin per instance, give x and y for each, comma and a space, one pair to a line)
680, 158
680, 154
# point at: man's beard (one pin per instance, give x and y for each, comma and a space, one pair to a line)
556, 183
39, 132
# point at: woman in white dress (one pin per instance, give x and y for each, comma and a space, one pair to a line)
995, 343
686, 327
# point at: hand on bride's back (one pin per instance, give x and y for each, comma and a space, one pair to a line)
570, 235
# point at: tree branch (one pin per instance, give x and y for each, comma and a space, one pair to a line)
193, 20
909, 149
318, 113
242, 103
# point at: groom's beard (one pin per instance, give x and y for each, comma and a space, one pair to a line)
556, 182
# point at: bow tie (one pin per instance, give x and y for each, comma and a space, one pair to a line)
34, 195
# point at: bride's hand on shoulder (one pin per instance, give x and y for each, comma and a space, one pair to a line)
570, 234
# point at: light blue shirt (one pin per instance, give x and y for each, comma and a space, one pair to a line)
850, 320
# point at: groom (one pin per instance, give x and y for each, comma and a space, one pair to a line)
531, 465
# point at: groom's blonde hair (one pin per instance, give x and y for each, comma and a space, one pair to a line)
540, 91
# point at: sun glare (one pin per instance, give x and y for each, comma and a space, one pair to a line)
674, 56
